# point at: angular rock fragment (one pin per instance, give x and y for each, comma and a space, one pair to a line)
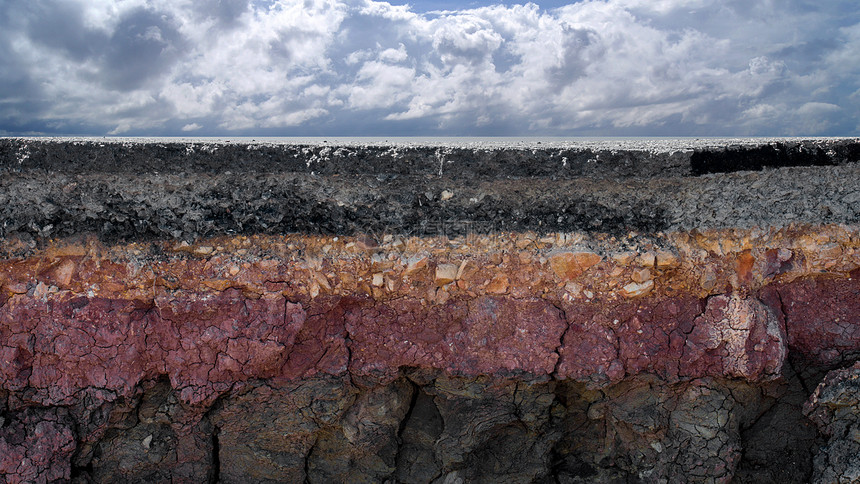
446, 273
636, 289
738, 334
570, 265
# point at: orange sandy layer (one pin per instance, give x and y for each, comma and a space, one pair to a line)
557, 267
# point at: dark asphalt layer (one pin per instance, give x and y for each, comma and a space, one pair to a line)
145, 190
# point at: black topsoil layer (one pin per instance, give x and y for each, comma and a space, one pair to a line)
172, 190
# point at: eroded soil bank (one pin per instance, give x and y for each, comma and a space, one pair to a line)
232, 322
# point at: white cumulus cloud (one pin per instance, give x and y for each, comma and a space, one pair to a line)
341, 67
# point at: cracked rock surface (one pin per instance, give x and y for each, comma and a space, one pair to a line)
282, 313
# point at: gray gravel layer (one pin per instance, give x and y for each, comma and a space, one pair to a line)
140, 191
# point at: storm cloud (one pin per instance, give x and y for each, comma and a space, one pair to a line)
359, 67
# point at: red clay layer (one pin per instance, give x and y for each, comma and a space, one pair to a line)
53, 347
822, 316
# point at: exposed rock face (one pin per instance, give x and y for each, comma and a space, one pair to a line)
834, 408
282, 326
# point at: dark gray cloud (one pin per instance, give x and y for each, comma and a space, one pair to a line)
581, 48
59, 26
352, 67
144, 45
225, 12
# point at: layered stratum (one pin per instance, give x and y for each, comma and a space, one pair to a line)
432, 311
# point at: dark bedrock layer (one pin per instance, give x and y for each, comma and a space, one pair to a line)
426, 427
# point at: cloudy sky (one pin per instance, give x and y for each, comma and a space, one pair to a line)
432, 67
